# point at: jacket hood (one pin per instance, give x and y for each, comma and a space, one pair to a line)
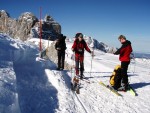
127, 42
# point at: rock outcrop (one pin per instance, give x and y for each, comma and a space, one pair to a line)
51, 53
27, 25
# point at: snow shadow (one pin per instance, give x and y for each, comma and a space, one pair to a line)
35, 93
7, 94
129, 75
66, 78
64, 75
7, 83
139, 85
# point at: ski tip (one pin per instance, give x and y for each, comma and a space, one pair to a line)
132, 91
101, 82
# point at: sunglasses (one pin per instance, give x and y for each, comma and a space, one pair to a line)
80, 37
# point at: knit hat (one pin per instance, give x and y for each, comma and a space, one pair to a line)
79, 35
121, 37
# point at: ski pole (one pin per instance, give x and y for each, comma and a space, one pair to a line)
91, 67
73, 59
91, 62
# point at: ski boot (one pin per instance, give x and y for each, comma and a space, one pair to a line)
82, 76
124, 87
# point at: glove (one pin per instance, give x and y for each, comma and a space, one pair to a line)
72, 49
92, 53
114, 53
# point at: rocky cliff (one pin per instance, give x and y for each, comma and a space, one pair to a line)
27, 25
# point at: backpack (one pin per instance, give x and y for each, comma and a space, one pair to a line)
61, 44
115, 78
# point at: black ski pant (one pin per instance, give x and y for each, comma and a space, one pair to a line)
61, 59
124, 68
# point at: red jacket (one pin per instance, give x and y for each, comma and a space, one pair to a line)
79, 47
124, 51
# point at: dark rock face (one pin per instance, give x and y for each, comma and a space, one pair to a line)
25, 22
28, 26
6, 23
50, 28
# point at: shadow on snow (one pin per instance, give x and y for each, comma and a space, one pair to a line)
139, 85
35, 93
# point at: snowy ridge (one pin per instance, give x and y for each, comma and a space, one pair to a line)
142, 55
29, 84
93, 43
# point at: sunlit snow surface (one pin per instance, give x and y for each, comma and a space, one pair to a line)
29, 84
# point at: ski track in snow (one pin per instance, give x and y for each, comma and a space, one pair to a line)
29, 84
98, 99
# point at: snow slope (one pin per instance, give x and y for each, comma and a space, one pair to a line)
23, 83
29, 84
97, 99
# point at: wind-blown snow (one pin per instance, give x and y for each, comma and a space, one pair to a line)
29, 84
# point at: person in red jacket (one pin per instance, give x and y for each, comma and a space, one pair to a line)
124, 57
78, 47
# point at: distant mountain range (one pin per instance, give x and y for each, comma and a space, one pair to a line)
95, 44
27, 26
142, 55
99, 45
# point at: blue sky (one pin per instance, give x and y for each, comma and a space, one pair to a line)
103, 20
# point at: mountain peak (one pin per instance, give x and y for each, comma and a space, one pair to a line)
29, 17
93, 43
3, 13
27, 25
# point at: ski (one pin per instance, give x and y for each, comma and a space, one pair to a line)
85, 80
110, 88
132, 91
